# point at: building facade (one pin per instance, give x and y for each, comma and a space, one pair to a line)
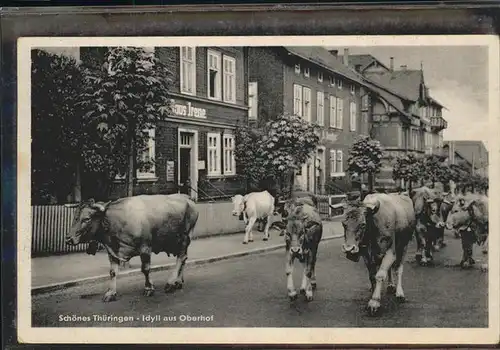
405, 118
194, 147
471, 153
311, 82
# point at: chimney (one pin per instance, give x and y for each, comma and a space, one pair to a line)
404, 66
391, 66
346, 57
334, 52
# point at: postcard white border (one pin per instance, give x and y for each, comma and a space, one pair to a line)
27, 334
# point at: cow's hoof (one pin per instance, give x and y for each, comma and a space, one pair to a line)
391, 289
109, 296
309, 297
245, 242
373, 307
292, 296
250, 240
171, 287
437, 248
148, 292
400, 299
265, 239
282, 233
314, 286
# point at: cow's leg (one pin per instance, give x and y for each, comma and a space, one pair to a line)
419, 235
391, 279
467, 242
248, 230
292, 293
380, 278
266, 228
313, 269
177, 278
149, 288
484, 246
371, 271
401, 255
306, 279
110, 295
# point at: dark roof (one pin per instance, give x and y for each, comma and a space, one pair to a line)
362, 60
323, 57
404, 83
433, 100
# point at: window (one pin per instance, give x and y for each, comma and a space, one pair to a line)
353, 89
229, 157
353, 115
339, 84
333, 111
365, 102
307, 73
297, 100
320, 108
297, 68
333, 162
306, 109
253, 100
332, 81
213, 156
188, 70
320, 77
229, 79
214, 75
340, 164
147, 157
340, 113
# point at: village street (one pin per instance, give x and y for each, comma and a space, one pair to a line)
251, 292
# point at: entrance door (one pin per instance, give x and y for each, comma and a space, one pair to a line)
185, 170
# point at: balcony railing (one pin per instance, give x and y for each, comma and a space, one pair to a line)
438, 123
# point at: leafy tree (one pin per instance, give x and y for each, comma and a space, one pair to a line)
408, 168
435, 170
365, 156
56, 82
274, 153
459, 174
122, 98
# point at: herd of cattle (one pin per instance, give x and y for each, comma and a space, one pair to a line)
377, 228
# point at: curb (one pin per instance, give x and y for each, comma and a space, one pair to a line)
74, 283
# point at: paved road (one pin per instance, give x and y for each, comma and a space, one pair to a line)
251, 292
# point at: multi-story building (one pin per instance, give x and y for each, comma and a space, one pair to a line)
471, 153
312, 83
194, 147
405, 118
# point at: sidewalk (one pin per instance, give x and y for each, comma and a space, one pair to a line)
55, 272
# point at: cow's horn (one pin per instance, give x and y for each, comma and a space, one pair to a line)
72, 205
100, 206
373, 206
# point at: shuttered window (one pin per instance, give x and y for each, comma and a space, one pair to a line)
188, 70
320, 108
213, 154
297, 100
306, 108
353, 114
253, 101
333, 111
229, 79
229, 156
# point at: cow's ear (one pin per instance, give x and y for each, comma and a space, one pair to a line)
372, 206
412, 193
91, 201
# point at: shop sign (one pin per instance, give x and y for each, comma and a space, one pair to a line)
188, 110
170, 171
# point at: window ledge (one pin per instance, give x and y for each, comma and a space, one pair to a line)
220, 176
342, 174
138, 179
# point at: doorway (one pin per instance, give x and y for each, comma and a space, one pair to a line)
185, 171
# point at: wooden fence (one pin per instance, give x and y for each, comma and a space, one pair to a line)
50, 223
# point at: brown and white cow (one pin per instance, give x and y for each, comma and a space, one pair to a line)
469, 217
303, 232
253, 207
379, 229
138, 225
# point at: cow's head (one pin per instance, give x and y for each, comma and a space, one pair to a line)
357, 216
298, 231
464, 212
238, 205
87, 221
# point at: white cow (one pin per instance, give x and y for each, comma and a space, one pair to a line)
254, 206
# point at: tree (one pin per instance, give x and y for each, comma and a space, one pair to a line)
435, 170
365, 156
460, 175
274, 153
56, 82
249, 162
409, 168
122, 98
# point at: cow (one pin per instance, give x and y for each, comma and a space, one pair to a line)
446, 202
303, 232
137, 226
379, 229
469, 217
252, 207
283, 208
430, 222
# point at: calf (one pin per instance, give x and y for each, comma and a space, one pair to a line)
252, 207
469, 217
379, 229
304, 230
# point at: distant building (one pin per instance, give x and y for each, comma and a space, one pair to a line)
474, 153
311, 82
405, 118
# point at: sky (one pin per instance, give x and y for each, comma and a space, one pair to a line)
457, 76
